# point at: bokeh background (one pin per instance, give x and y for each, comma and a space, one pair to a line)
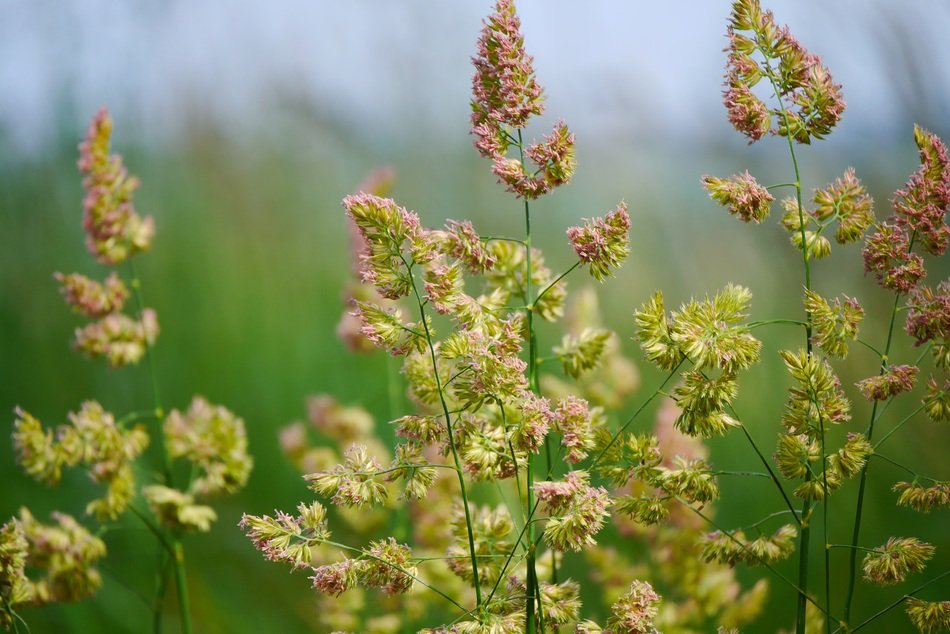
248, 121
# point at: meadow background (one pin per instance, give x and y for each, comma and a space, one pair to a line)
247, 125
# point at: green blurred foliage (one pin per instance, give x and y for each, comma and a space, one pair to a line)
246, 274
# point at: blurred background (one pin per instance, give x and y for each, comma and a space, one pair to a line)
247, 122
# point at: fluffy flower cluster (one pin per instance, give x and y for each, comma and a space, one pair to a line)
92, 438
847, 201
287, 538
391, 235
505, 95
920, 208
709, 332
355, 482
929, 617
735, 547
602, 243
711, 335
937, 400
584, 352
816, 400
491, 531
809, 102
65, 551
921, 498
15, 586
928, 315
114, 231
899, 557
577, 509
177, 510
348, 330
922, 204
214, 440
91, 298
575, 420
118, 338
895, 380
742, 195
633, 613
834, 324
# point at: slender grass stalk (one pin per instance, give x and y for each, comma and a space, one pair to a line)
178, 556
805, 534
859, 507
635, 414
768, 566
451, 434
893, 605
532, 580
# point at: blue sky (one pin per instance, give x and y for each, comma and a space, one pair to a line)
392, 70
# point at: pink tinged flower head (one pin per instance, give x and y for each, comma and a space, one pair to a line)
577, 509
555, 156
465, 245
114, 231
635, 611
887, 254
928, 317
848, 200
536, 420
91, 298
575, 422
504, 90
444, 286
922, 204
747, 113
334, 579
389, 232
119, 338
742, 195
897, 379
603, 243
811, 102
379, 182
556, 496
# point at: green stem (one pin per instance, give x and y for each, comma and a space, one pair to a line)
805, 535
528, 521
860, 548
859, 507
532, 580
554, 283
161, 586
910, 594
824, 517
768, 566
181, 582
179, 554
448, 425
905, 468
768, 322
788, 502
14, 617
636, 413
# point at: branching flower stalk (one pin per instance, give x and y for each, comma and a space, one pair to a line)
211, 438
807, 105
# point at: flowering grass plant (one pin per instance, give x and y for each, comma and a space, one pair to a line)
47, 563
522, 494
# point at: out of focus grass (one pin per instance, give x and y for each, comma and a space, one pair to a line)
246, 274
